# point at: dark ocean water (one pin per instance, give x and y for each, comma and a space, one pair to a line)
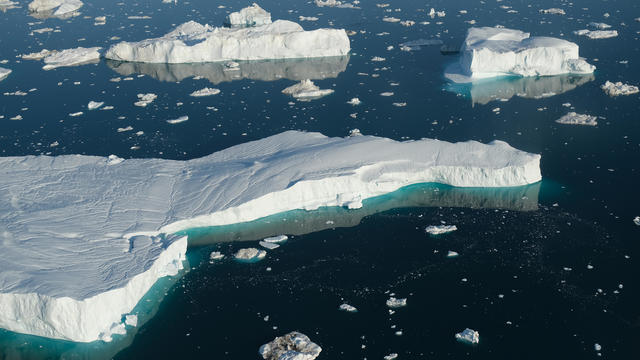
522, 278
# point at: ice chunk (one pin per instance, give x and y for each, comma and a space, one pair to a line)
618, 88
491, 52
94, 105
179, 120
468, 336
268, 245
54, 8
636, 220
47, 225
276, 239
354, 101
393, 302
573, 118
192, 42
391, 356
215, 255
145, 99
250, 254
451, 254
4, 73
252, 15
292, 346
72, 57
306, 90
347, 308
597, 34
433, 13
440, 229
205, 92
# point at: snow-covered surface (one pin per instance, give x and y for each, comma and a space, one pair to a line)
393, 302
440, 229
491, 52
306, 90
80, 213
252, 15
573, 118
218, 72
72, 57
468, 336
250, 254
192, 42
597, 34
617, 88
54, 8
4, 73
292, 346
348, 308
205, 92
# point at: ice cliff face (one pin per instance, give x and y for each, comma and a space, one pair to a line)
490, 52
83, 238
192, 42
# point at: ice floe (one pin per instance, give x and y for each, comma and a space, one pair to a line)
440, 229
597, 34
192, 42
205, 92
72, 57
306, 90
54, 8
493, 52
618, 88
393, 302
292, 346
573, 118
252, 15
121, 214
4, 73
250, 254
468, 336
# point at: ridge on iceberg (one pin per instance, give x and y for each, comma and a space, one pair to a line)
491, 52
54, 8
192, 42
252, 15
76, 255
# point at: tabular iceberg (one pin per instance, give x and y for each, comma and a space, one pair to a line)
252, 15
490, 52
83, 238
192, 42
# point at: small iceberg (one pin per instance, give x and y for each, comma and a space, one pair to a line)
205, 92
252, 15
452, 254
179, 120
72, 57
597, 34
468, 336
492, 52
215, 256
440, 229
4, 73
618, 88
636, 220
347, 308
145, 99
394, 303
573, 118
292, 346
276, 239
250, 254
94, 105
306, 90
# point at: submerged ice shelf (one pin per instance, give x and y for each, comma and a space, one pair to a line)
82, 238
491, 52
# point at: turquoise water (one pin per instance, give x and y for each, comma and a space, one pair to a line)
512, 242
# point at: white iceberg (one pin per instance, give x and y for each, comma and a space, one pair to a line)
468, 336
4, 73
440, 229
92, 105
306, 90
192, 42
393, 302
179, 120
452, 254
215, 255
618, 88
555, 11
252, 15
77, 255
491, 52
573, 118
292, 346
347, 308
54, 8
72, 57
597, 34
205, 92
636, 220
335, 3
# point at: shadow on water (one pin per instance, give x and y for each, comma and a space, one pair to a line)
219, 72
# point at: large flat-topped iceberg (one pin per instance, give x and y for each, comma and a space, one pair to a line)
491, 52
192, 42
83, 238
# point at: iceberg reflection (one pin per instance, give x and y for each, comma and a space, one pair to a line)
300, 222
219, 72
485, 91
